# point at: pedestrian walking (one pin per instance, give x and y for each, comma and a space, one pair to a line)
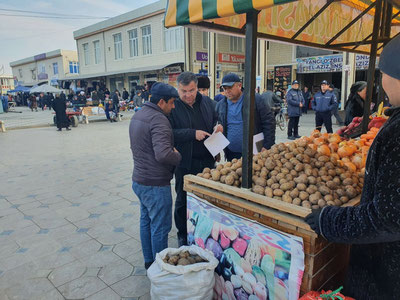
60, 107
154, 156
295, 101
33, 103
193, 119
335, 111
230, 116
125, 94
354, 106
42, 101
137, 99
307, 99
324, 103
372, 228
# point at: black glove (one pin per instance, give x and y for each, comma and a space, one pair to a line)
313, 220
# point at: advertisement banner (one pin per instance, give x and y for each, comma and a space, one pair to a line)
202, 56
282, 77
231, 58
255, 261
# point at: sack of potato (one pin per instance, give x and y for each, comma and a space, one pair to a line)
183, 273
307, 172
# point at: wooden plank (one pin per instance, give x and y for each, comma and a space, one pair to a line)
334, 266
353, 202
250, 196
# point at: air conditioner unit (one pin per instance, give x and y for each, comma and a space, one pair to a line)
241, 67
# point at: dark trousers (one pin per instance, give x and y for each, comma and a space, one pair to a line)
323, 118
229, 155
180, 203
293, 126
335, 112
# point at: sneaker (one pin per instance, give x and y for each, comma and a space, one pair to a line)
297, 136
68, 128
291, 138
59, 129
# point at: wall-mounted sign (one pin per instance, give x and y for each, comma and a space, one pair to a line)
173, 70
202, 56
42, 76
40, 56
230, 58
282, 77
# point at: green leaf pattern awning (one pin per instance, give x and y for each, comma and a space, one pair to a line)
182, 12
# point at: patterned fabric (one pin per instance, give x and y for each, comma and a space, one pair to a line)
373, 227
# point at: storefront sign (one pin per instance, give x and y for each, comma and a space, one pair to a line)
329, 63
231, 58
282, 77
40, 56
42, 76
253, 259
202, 56
173, 70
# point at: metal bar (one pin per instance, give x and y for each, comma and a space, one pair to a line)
352, 22
312, 19
359, 43
371, 67
249, 98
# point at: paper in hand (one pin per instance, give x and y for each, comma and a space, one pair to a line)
216, 143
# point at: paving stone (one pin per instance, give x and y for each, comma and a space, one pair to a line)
145, 297
8, 211
127, 248
14, 261
29, 206
82, 287
74, 239
29, 289
8, 249
136, 259
84, 249
133, 286
107, 293
42, 249
67, 273
115, 272
140, 271
54, 260
100, 259
60, 233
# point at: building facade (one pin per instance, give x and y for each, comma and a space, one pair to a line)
6, 83
50, 67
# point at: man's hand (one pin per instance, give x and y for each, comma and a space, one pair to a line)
176, 150
219, 128
313, 220
201, 135
301, 104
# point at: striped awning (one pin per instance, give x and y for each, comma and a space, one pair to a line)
183, 12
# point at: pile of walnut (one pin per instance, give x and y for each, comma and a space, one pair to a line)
184, 258
294, 173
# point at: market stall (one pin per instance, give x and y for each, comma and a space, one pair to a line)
281, 186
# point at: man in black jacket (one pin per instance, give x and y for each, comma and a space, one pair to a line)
230, 115
154, 155
373, 227
192, 120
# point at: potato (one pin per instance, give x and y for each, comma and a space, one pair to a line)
287, 198
294, 193
310, 152
270, 182
229, 179
256, 167
258, 189
264, 174
331, 184
315, 172
285, 171
301, 187
220, 167
286, 186
225, 171
296, 201
351, 192
235, 176
347, 181
308, 172
222, 179
216, 175
239, 171
278, 192
200, 174
311, 189
237, 183
328, 198
261, 182
206, 170
303, 195
269, 192
306, 204
319, 164
173, 260
293, 173
228, 164
321, 203
332, 172
184, 254
338, 202
301, 179
207, 175
289, 155
277, 198
345, 175
235, 160
288, 165
344, 199
326, 178
269, 164
323, 159
324, 190
183, 262
275, 186
306, 159
282, 147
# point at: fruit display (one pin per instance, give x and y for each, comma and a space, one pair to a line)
354, 129
325, 295
183, 259
312, 172
377, 122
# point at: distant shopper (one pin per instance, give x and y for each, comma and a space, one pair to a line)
125, 94
324, 103
273, 101
307, 99
354, 106
137, 99
221, 94
203, 84
33, 103
42, 101
115, 100
295, 101
335, 111
60, 107
155, 158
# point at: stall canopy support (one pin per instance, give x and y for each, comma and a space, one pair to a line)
249, 98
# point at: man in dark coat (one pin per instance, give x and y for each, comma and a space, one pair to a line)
230, 115
324, 103
193, 119
59, 107
125, 94
115, 100
373, 227
295, 101
307, 99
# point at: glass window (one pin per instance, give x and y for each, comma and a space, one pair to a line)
205, 40
96, 47
86, 53
117, 46
235, 43
43, 68
55, 68
146, 40
133, 43
73, 67
173, 39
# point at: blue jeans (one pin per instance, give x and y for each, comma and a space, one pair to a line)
155, 218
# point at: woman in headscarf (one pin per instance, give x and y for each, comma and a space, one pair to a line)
354, 106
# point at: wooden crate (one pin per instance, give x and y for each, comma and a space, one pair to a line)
325, 263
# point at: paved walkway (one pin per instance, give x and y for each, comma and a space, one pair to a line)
69, 221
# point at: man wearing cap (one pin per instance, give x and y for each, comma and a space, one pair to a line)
230, 115
295, 101
324, 103
373, 227
193, 120
155, 158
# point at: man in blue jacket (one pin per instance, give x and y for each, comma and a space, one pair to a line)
295, 101
230, 115
155, 158
193, 120
324, 103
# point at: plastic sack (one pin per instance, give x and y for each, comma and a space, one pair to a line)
195, 282
328, 295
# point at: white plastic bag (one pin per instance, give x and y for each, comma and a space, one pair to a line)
194, 282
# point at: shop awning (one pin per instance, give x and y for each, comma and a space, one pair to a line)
341, 25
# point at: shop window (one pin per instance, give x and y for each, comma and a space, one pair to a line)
86, 53
173, 39
55, 68
236, 43
73, 67
205, 39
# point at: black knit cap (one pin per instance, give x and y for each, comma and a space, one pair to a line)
203, 82
389, 62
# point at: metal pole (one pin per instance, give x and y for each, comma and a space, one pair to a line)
249, 98
371, 67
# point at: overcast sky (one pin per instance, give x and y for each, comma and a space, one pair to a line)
22, 37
